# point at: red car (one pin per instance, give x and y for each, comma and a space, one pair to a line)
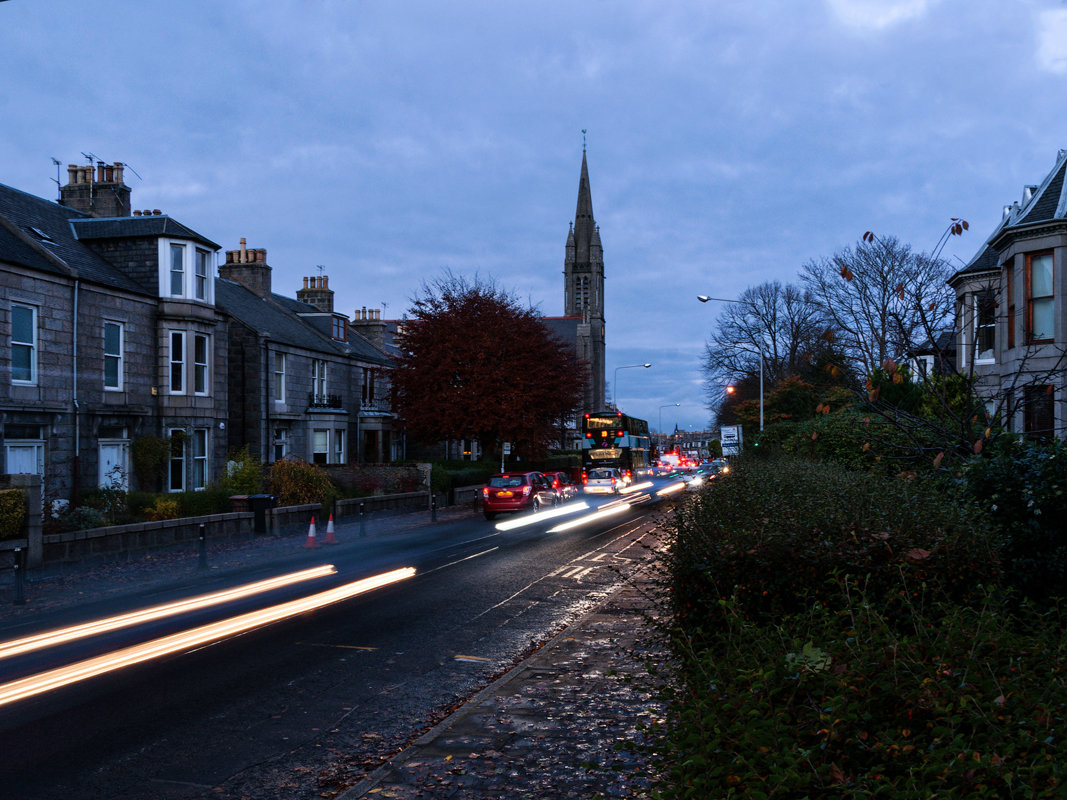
517, 491
563, 485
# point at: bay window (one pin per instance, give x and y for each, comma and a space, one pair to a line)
1039, 275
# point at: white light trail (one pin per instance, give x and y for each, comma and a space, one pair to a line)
541, 516
62, 676
674, 487
588, 518
636, 487
48, 639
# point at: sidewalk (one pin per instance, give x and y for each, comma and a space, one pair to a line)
558, 725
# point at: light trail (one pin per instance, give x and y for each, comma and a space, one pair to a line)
540, 516
673, 488
60, 635
63, 676
588, 518
636, 487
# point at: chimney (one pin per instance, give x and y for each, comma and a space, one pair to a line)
317, 292
99, 192
368, 324
248, 268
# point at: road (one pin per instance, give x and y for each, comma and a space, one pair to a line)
328, 692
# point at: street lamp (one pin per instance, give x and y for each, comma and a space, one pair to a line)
703, 298
615, 382
668, 405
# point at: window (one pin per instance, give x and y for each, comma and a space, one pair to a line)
1039, 297
177, 362
320, 446
337, 328
1009, 280
23, 344
1038, 414
23, 449
279, 377
177, 270
199, 443
318, 380
113, 356
200, 371
281, 443
203, 272
176, 473
985, 325
338, 447
368, 386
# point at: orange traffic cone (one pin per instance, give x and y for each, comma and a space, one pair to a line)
312, 540
330, 537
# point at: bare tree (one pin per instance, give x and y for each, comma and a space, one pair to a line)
777, 324
881, 299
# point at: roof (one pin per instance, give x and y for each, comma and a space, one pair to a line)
153, 225
279, 320
1040, 205
38, 234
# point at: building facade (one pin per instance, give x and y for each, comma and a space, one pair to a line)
115, 328
1011, 320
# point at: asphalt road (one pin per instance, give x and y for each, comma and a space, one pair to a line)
328, 691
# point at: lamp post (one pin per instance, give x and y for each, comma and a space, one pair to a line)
668, 405
615, 382
703, 298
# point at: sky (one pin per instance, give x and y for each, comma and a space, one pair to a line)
382, 142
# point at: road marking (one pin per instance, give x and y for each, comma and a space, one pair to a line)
470, 658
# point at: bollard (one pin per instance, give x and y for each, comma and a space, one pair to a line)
362, 519
203, 547
20, 578
433, 508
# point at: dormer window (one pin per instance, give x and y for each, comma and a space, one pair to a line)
337, 328
186, 271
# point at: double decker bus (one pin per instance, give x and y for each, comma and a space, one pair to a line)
612, 439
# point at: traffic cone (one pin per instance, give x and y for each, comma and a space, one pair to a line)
312, 540
330, 537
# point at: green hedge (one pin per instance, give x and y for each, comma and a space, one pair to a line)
12, 513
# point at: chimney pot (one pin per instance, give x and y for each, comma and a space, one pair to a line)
157, 212
325, 281
137, 213
100, 173
305, 283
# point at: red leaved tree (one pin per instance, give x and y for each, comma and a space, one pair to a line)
474, 364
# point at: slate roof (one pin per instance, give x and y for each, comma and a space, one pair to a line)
1047, 203
129, 227
38, 234
278, 319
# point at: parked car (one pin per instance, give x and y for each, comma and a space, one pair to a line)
602, 480
564, 486
517, 491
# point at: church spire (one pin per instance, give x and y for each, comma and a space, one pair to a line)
584, 224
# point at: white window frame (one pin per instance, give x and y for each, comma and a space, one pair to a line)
281, 443
976, 303
339, 447
279, 377
116, 358
202, 274
318, 380
320, 446
199, 456
201, 368
176, 342
31, 345
177, 460
33, 447
176, 270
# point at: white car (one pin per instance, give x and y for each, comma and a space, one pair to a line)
602, 480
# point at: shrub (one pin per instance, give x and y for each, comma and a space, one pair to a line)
244, 474
771, 532
212, 500
149, 455
295, 482
164, 508
966, 702
12, 513
79, 519
1022, 487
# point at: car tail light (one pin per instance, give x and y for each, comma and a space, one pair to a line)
585, 478
485, 492
526, 490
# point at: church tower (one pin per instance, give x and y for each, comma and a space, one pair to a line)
583, 287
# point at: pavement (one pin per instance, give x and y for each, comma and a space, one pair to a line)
568, 721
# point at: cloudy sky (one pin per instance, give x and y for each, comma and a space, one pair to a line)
729, 141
